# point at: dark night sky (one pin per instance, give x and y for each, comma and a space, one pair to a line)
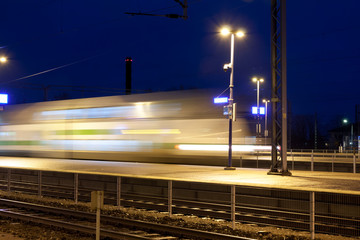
86, 42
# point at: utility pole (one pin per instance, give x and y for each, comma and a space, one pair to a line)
357, 122
278, 89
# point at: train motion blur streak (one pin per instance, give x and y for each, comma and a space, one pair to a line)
154, 127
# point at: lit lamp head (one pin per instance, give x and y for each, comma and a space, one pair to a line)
240, 34
254, 79
3, 59
226, 31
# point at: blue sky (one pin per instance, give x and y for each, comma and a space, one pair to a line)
85, 43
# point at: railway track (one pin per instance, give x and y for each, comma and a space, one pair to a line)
112, 227
284, 211
253, 215
244, 214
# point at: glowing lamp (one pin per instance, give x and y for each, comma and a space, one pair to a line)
240, 34
225, 31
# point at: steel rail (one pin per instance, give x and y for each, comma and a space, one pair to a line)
114, 220
69, 225
256, 215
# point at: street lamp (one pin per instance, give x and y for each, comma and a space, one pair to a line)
3, 96
266, 129
230, 66
3, 59
258, 81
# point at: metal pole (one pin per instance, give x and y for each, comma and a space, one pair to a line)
118, 191
279, 87
76, 187
170, 197
257, 107
274, 90
312, 215
283, 89
292, 158
233, 198
98, 206
39, 183
312, 160
257, 95
332, 162
266, 128
9, 180
231, 101
354, 163
352, 136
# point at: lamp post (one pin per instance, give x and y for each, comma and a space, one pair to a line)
230, 66
3, 97
266, 129
351, 136
258, 81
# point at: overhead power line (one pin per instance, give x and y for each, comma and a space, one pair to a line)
183, 4
50, 70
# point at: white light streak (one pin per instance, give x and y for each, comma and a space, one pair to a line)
239, 148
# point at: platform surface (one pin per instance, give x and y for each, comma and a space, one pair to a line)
300, 180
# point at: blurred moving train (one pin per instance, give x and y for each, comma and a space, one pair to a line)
166, 127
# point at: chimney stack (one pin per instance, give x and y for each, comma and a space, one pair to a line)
128, 62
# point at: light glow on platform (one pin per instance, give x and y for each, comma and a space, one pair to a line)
239, 148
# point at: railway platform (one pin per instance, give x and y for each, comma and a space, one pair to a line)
300, 180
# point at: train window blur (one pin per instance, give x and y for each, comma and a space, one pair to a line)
139, 110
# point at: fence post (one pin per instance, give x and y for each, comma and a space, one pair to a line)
233, 198
9, 180
312, 160
170, 197
39, 183
118, 191
312, 215
354, 163
332, 162
76, 187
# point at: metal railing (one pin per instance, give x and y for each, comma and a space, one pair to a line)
328, 212
313, 160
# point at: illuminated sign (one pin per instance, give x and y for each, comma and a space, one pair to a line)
262, 111
3, 98
221, 100
254, 110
